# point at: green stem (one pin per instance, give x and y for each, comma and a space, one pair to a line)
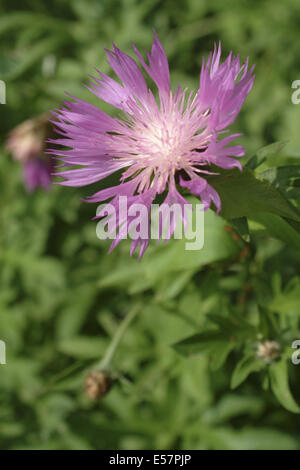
111, 350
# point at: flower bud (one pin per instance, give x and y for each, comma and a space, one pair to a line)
97, 384
28, 139
268, 351
27, 145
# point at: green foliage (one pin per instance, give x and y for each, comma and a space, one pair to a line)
187, 373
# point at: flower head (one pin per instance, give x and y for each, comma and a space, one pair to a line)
37, 173
158, 145
97, 384
27, 143
268, 351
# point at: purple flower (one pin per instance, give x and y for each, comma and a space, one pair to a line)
37, 173
160, 145
27, 143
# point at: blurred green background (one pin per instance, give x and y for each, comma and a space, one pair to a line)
62, 297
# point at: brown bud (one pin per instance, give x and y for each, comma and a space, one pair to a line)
268, 351
28, 139
97, 384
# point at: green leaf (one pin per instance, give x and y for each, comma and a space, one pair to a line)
286, 178
244, 194
217, 343
219, 354
248, 364
233, 405
288, 301
234, 326
261, 155
241, 226
277, 227
279, 383
268, 327
83, 347
199, 342
213, 343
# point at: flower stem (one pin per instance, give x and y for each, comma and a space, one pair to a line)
111, 350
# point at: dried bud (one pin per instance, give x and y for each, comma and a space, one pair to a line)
27, 145
97, 384
268, 351
28, 139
